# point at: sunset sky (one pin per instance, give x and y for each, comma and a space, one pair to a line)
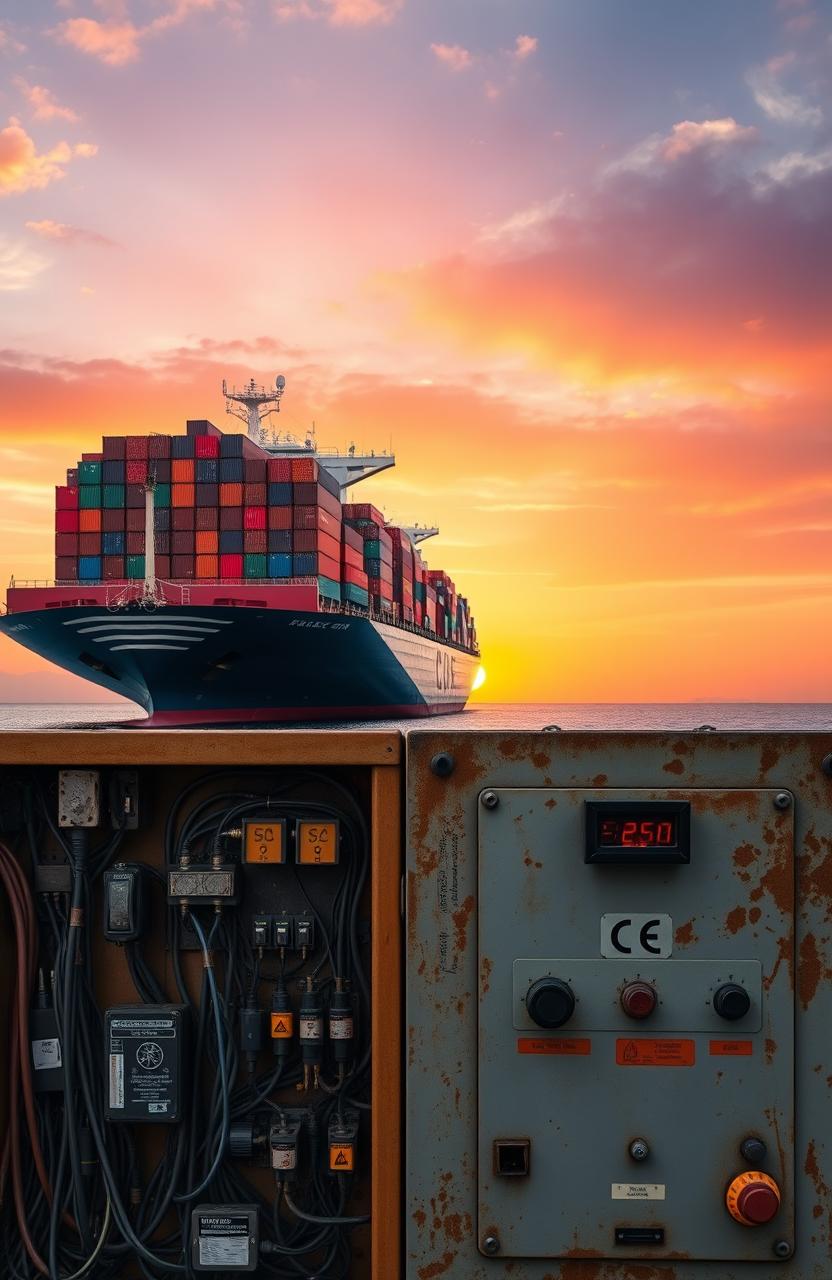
573, 257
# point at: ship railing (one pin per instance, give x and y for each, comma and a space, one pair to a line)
325, 605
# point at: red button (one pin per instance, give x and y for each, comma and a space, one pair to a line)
638, 999
758, 1203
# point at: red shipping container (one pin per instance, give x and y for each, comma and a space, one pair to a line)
182, 542
183, 517
207, 517
113, 447
279, 470
89, 520
163, 566
316, 540
207, 446
207, 542
303, 469
113, 519
113, 568
356, 576
352, 558
92, 457
66, 544
255, 540
134, 518
207, 567
254, 495
66, 499
136, 447
89, 544
135, 496
329, 568
231, 494
363, 511
66, 521
66, 569
255, 472
136, 472
231, 566
280, 517
231, 518
352, 538
158, 446
316, 518
182, 470
182, 566
135, 543
378, 587
254, 517
182, 495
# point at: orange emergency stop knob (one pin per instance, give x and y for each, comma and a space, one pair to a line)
753, 1198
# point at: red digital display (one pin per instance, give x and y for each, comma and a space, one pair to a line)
636, 831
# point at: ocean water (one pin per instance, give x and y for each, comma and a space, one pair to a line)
815, 716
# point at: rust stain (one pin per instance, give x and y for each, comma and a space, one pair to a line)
438, 1268
769, 756
810, 970
540, 760
811, 1168
770, 1050
754, 915
460, 918
684, 935
674, 766
600, 780
745, 855
529, 861
784, 952
551, 803
681, 748
485, 974
735, 920
420, 1218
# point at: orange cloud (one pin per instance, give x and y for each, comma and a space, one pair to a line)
43, 103
454, 56
48, 229
115, 43
23, 168
524, 47
340, 13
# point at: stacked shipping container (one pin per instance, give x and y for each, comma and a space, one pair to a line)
226, 510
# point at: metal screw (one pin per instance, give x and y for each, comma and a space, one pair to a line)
442, 764
826, 765
639, 1149
782, 800
490, 799
491, 1245
782, 1249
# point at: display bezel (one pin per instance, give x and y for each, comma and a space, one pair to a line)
658, 810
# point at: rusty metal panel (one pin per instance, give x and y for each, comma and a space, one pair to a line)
450, 975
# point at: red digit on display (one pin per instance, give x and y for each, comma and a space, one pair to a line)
628, 833
665, 835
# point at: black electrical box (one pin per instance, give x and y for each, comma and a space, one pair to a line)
146, 1060
125, 902
224, 1237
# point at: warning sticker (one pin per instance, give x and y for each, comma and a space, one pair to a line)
281, 1026
563, 1045
638, 1191
655, 1053
730, 1048
223, 1241
341, 1159
264, 842
317, 843
46, 1054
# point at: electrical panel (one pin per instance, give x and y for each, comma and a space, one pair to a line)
618, 1015
191, 994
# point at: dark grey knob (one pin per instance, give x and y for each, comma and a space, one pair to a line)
732, 1001
550, 1002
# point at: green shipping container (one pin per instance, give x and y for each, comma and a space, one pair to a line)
89, 473
255, 565
331, 590
89, 495
355, 595
113, 495
372, 550
135, 566
161, 497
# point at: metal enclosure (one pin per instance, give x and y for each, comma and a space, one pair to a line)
601, 1146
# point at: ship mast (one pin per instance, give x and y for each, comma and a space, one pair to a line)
150, 592
253, 405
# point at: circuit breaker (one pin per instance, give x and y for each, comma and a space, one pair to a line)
618, 1009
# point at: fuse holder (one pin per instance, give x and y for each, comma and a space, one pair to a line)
316, 843
343, 1140
264, 842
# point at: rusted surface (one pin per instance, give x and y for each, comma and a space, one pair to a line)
674, 766
735, 920
810, 971
684, 935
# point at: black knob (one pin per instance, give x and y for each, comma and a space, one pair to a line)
732, 1001
550, 1002
753, 1150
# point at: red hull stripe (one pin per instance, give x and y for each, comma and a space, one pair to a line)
232, 715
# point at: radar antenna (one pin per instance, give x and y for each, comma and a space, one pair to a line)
253, 404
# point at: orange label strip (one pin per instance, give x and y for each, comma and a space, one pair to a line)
655, 1053
730, 1048
561, 1046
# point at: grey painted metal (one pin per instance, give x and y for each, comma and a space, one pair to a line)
462, 1045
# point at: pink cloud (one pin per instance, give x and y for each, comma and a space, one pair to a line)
454, 56
340, 13
113, 43
47, 229
43, 103
23, 167
691, 135
524, 47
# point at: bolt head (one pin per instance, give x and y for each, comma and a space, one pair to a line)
491, 1245
442, 764
490, 799
782, 800
639, 1149
782, 1249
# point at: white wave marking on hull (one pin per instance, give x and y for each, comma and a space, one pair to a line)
145, 620
180, 648
138, 628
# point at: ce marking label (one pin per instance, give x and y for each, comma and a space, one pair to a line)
644, 936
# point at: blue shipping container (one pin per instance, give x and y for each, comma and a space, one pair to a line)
231, 542
304, 565
280, 494
207, 471
280, 539
231, 471
89, 568
112, 471
113, 544
231, 446
182, 447
280, 565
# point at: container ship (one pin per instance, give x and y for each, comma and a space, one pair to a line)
222, 578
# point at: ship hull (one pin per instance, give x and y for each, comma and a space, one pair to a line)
203, 664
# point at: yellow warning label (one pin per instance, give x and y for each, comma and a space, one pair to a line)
282, 1026
317, 843
264, 842
341, 1159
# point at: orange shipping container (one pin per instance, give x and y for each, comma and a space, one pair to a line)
89, 520
207, 542
182, 470
182, 495
231, 494
207, 567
